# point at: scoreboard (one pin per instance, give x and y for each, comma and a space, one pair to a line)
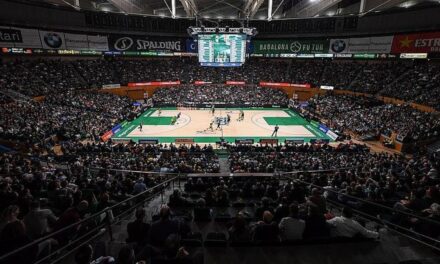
222, 49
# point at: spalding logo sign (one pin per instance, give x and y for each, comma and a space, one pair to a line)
123, 43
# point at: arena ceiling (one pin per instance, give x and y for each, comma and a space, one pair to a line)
245, 9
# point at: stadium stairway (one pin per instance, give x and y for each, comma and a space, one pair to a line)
224, 165
16, 95
398, 79
434, 147
223, 155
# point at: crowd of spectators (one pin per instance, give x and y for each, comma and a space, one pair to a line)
70, 116
408, 80
189, 95
292, 158
37, 199
284, 210
421, 84
369, 116
158, 158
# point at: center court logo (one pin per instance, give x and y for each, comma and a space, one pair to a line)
338, 46
123, 43
53, 40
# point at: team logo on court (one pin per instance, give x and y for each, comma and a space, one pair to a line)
123, 43
295, 46
53, 40
338, 45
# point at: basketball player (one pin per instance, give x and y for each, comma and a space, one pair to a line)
213, 110
159, 112
140, 127
241, 115
228, 118
211, 126
178, 115
218, 123
275, 131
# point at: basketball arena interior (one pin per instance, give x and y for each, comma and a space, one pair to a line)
220, 131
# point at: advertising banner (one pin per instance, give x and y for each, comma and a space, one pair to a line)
201, 82
8, 35
145, 43
305, 85
76, 41
270, 84
30, 38
416, 43
274, 84
153, 84
111, 86
107, 135
331, 134
323, 128
97, 42
290, 46
116, 129
361, 45
235, 82
191, 46
327, 87
414, 55
52, 40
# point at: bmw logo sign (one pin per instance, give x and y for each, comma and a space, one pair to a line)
53, 40
338, 45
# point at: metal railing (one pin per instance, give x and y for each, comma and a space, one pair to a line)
107, 220
410, 233
128, 205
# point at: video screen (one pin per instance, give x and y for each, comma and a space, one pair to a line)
222, 50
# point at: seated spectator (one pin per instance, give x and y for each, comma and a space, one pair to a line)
139, 186
291, 227
316, 226
265, 206
282, 210
84, 255
69, 217
174, 253
176, 200
317, 202
126, 255
14, 236
9, 214
223, 199
345, 226
239, 231
266, 230
201, 212
138, 230
162, 228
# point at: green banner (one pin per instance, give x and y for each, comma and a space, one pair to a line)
286, 46
364, 56
314, 123
124, 123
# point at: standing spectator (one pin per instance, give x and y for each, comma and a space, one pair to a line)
38, 220
138, 230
